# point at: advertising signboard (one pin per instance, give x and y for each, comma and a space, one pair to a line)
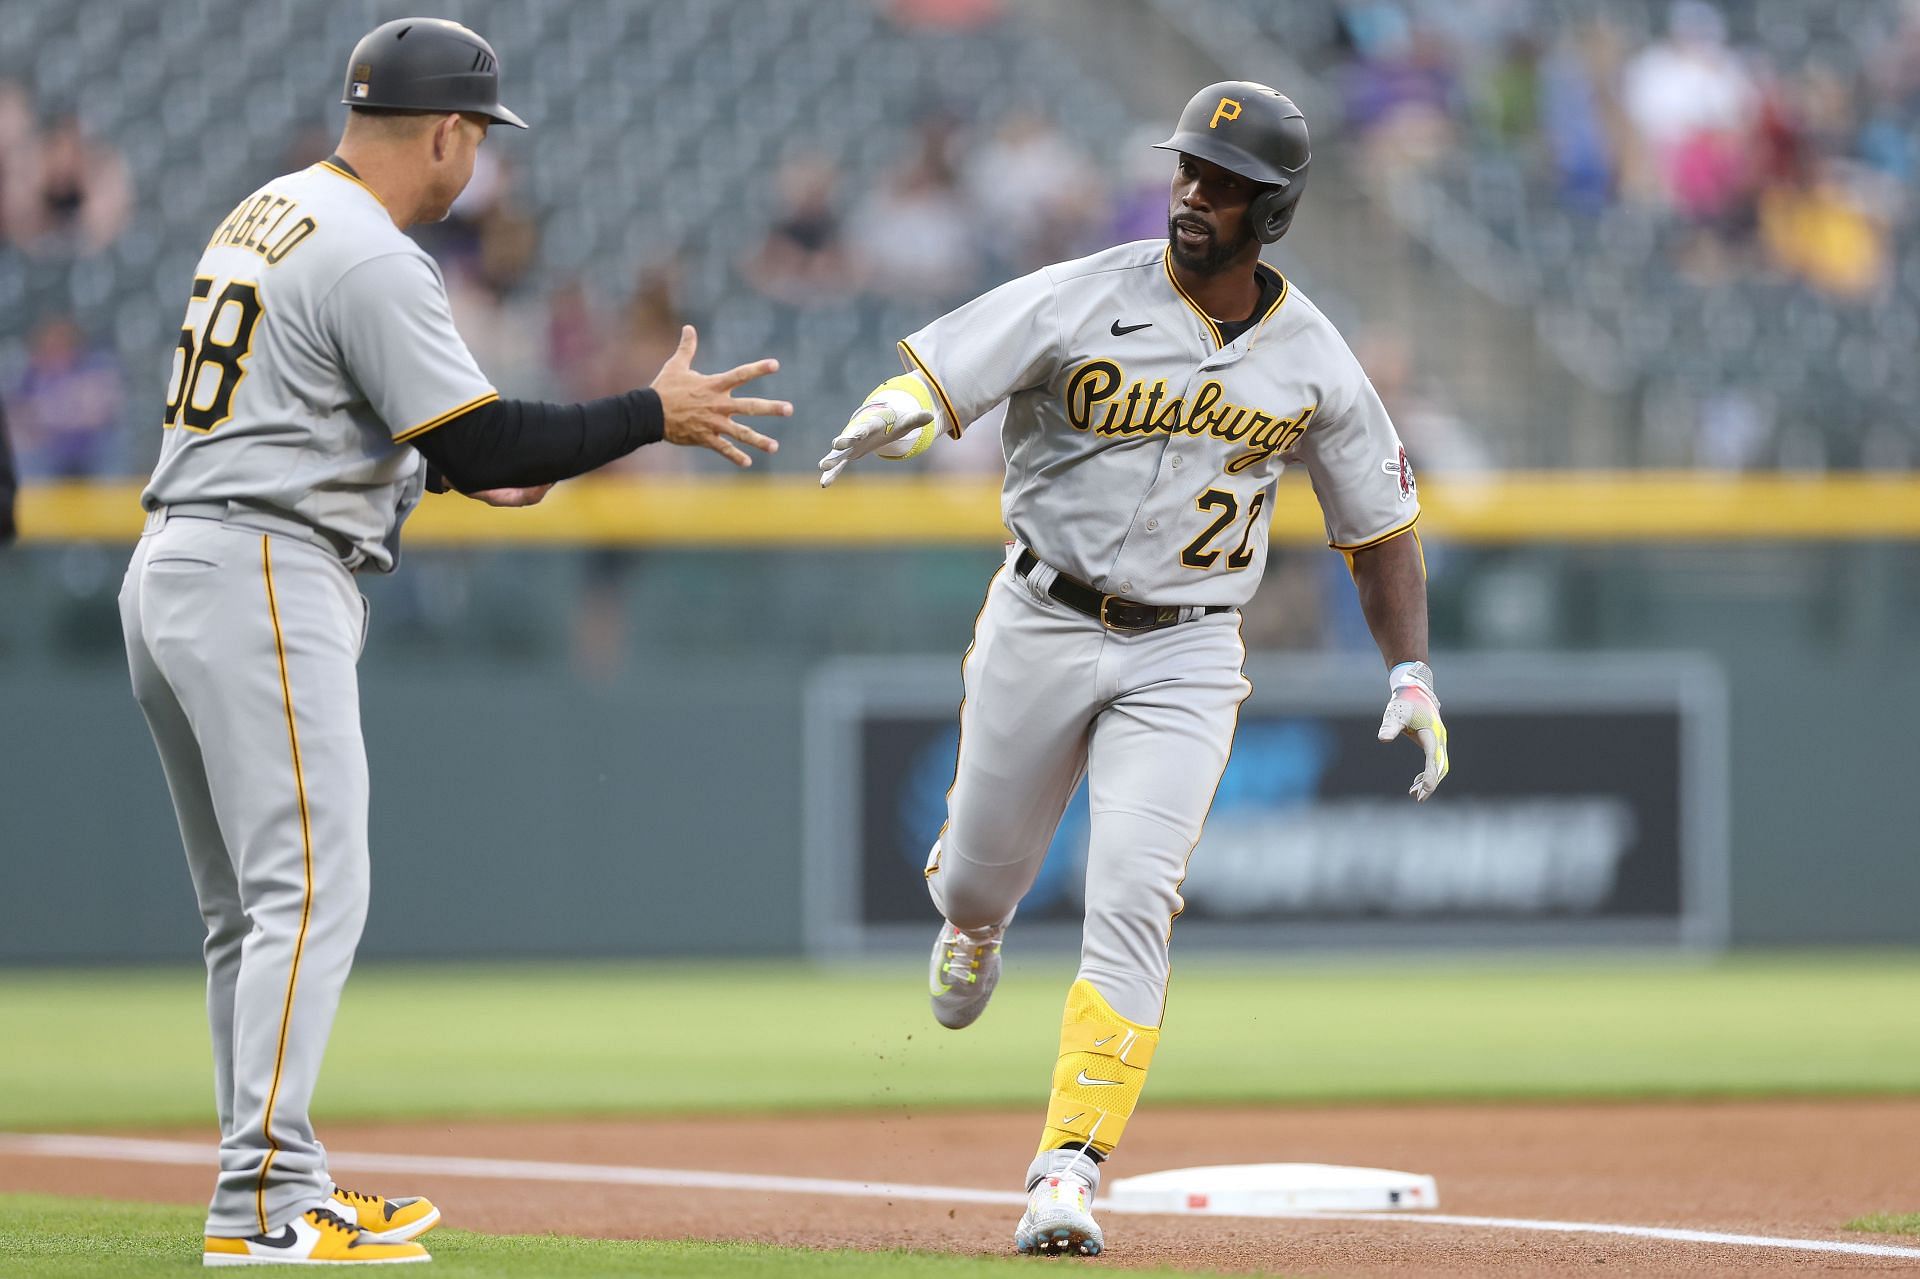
1586, 805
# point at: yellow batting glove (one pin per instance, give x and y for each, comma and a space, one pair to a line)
1414, 710
897, 422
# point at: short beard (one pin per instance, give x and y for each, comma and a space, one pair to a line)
1214, 259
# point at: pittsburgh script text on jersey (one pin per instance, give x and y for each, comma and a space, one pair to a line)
1144, 409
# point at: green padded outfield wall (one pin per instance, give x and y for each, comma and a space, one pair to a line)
523, 808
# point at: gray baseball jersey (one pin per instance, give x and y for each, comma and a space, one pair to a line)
1142, 453
317, 341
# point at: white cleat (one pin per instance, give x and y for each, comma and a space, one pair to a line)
964, 970
1059, 1218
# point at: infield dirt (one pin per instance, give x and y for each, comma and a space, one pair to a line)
1784, 1168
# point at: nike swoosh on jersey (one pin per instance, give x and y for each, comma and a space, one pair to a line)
1120, 332
1090, 1081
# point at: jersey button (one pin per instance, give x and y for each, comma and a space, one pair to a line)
1176, 462
1126, 588
1153, 526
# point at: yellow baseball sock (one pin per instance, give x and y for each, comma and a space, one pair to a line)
1097, 1080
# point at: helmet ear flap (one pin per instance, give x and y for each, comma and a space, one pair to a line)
1270, 214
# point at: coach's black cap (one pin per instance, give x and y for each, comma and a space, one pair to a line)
426, 64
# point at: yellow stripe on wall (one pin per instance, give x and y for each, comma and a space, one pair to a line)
869, 511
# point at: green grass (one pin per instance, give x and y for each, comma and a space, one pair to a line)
97, 1239
1887, 1223
116, 1047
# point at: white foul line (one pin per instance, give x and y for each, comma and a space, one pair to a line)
137, 1150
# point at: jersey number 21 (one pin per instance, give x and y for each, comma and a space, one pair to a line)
210, 361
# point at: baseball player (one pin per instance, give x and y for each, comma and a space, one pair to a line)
317, 380
1154, 393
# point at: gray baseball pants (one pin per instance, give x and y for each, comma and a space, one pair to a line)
1148, 718
242, 647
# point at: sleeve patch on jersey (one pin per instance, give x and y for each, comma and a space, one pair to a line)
1401, 468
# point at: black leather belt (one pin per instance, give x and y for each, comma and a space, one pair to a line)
1113, 611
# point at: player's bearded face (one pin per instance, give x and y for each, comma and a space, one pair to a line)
1206, 199
1197, 244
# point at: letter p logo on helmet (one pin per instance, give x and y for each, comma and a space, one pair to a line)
1229, 110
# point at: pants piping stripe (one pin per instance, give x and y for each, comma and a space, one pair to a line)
1239, 632
961, 740
306, 901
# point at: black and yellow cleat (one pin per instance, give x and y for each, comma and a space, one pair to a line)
386, 1220
317, 1237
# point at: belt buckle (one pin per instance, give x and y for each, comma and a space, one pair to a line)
1161, 616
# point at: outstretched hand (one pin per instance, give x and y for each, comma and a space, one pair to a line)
1415, 711
891, 424
699, 408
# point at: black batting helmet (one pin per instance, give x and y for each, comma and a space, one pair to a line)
1256, 132
426, 64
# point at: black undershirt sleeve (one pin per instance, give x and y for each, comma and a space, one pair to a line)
524, 443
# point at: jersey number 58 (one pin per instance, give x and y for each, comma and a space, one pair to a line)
210, 361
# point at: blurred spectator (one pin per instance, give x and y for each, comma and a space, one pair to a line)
72, 194
1400, 91
9, 483
573, 332
1438, 441
1822, 229
1035, 193
1508, 102
945, 15
643, 337
1141, 202
1734, 184
455, 240
915, 237
1732, 431
66, 405
803, 258
487, 286
1885, 143
1694, 107
1573, 115
1375, 30
17, 137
